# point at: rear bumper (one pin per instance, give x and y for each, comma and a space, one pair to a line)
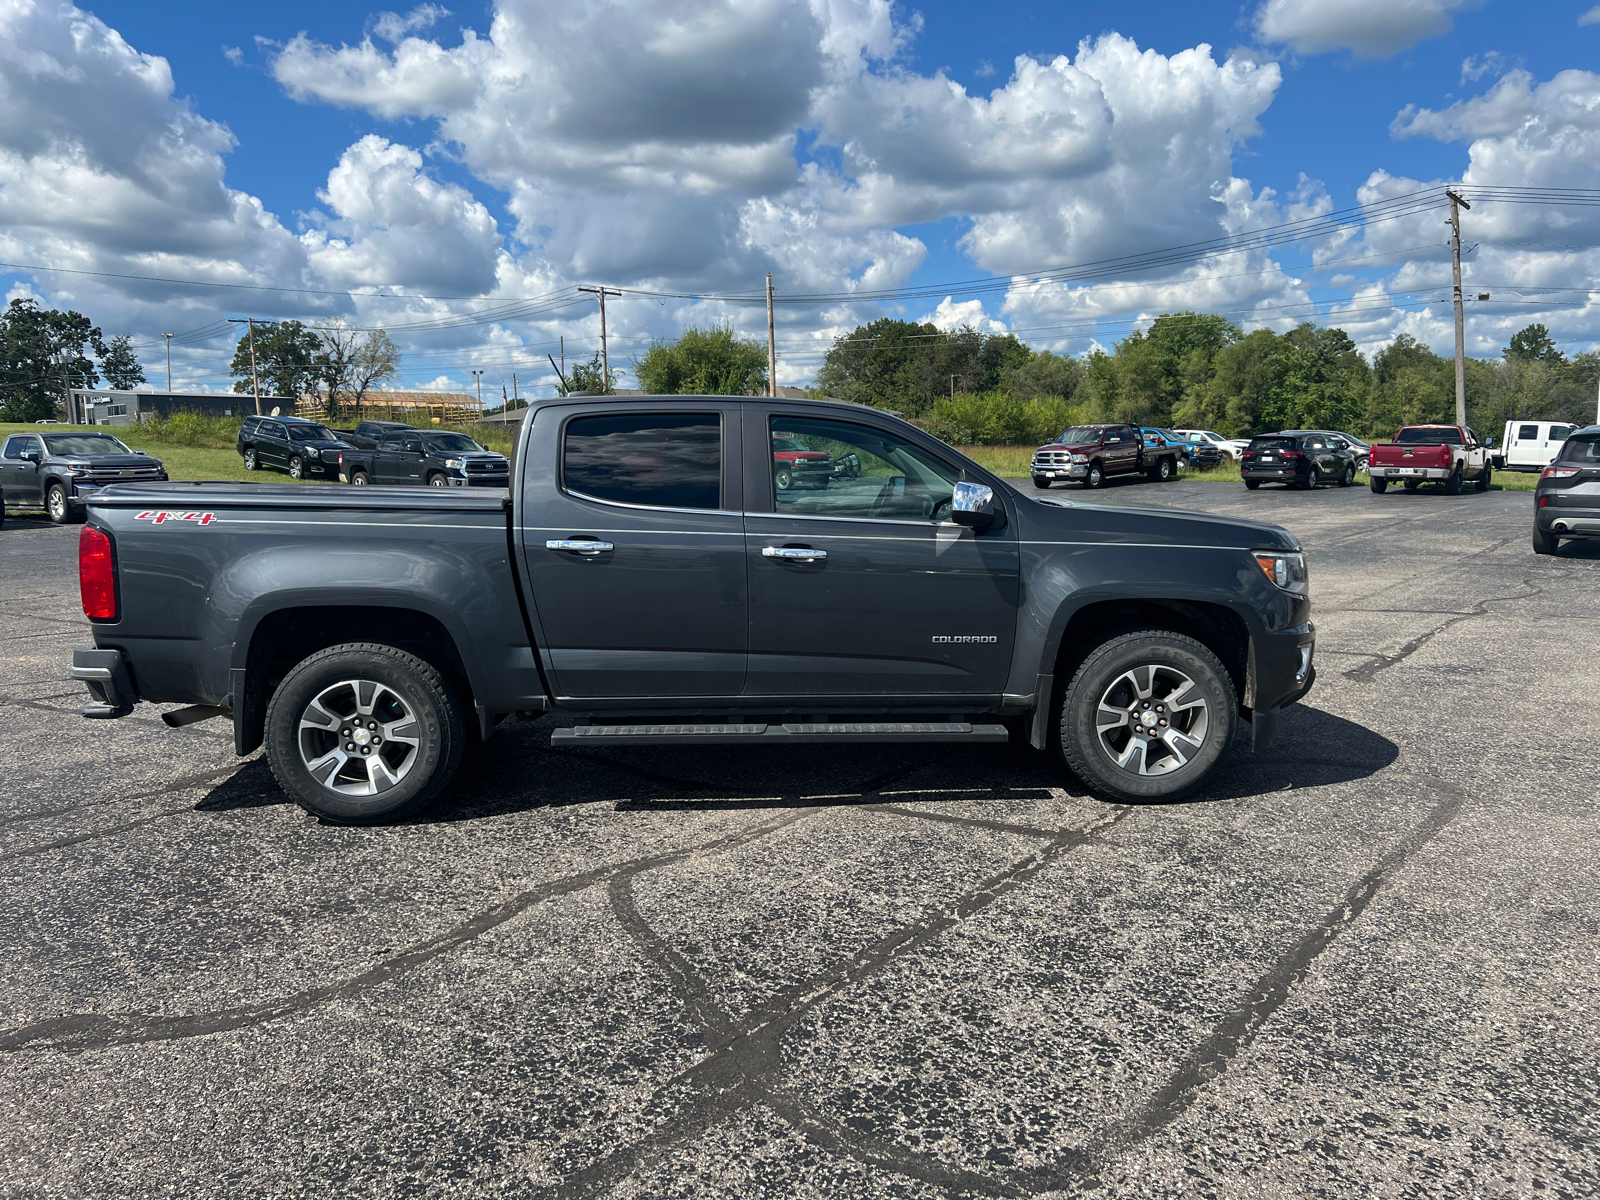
1437, 474
1568, 521
105, 674
1271, 474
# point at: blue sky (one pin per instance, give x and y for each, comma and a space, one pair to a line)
879, 147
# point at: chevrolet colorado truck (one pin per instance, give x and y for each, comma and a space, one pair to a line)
427, 457
645, 576
1447, 454
59, 471
1090, 454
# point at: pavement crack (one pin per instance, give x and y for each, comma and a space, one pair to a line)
1382, 662
79, 1032
182, 783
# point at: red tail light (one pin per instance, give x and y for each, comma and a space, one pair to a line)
97, 575
1293, 454
1559, 472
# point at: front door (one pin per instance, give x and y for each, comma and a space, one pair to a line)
860, 586
634, 550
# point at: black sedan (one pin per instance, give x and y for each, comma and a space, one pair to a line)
1300, 460
1566, 500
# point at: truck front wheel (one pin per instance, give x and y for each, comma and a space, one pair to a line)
1485, 478
1147, 716
363, 733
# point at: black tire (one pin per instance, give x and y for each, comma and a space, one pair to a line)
1095, 476
1484, 479
251, 462
297, 467
1452, 486
438, 480
782, 478
821, 485
434, 716
360, 478
1379, 486
56, 505
1042, 484
1412, 485
1252, 484
1162, 471
1545, 543
1310, 482
1349, 475
1102, 675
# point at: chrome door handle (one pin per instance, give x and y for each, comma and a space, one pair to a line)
797, 553
579, 545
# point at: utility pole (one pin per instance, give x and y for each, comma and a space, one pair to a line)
513, 389
479, 375
562, 369
168, 336
952, 387
772, 346
1456, 204
605, 357
255, 379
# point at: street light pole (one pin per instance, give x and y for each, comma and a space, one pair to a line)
772, 345
605, 356
479, 374
168, 336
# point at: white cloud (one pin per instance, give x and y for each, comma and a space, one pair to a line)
1592, 17
392, 27
954, 314
1369, 28
1475, 67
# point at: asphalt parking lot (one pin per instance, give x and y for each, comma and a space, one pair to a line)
1362, 964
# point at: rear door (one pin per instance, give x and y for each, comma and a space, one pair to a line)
19, 476
274, 444
860, 586
1121, 450
398, 459
633, 546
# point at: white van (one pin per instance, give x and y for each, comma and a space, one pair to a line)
1533, 445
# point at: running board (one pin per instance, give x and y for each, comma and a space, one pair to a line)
752, 732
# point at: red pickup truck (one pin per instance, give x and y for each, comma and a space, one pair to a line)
1447, 454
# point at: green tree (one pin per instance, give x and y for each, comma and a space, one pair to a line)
704, 362
120, 365
905, 367
590, 376
1532, 343
41, 350
1324, 383
290, 360
1043, 375
352, 362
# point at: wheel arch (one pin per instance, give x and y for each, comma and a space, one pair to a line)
282, 637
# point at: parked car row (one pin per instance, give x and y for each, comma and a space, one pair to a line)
373, 452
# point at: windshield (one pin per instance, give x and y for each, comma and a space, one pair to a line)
1081, 433
311, 433
458, 442
1581, 450
85, 443
1441, 435
791, 443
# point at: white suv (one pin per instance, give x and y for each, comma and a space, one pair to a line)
1204, 437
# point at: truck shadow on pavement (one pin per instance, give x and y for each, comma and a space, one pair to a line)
518, 771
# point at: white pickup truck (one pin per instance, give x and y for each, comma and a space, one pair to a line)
1533, 445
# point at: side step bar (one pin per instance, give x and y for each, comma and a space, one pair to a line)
751, 733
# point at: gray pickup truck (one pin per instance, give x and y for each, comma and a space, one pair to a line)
644, 575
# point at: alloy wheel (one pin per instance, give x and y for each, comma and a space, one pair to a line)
1152, 720
358, 738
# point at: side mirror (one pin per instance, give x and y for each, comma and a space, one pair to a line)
1488, 443
973, 505
34, 457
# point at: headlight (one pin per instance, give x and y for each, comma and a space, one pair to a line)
456, 464
1287, 571
1078, 458
313, 452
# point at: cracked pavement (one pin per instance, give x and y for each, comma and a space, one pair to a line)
1361, 963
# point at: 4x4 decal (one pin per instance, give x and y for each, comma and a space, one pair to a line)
161, 517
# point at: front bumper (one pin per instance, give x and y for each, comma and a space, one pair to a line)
1070, 471
1282, 671
486, 479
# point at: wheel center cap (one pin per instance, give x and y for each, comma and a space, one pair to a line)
1149, 718
361, 737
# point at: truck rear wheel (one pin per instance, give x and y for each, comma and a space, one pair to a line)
1379, 485
1147, 716
360, 477
1452, 486
363, 733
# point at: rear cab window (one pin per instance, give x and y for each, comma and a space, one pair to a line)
1445, 435
646, 459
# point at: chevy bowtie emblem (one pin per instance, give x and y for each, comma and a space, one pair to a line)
965, 638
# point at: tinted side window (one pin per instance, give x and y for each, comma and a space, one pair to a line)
664, 460
14, 447
830, 468
1527, 431
1558, 433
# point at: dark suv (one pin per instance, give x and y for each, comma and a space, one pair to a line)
56, 471
1300, 460
305, 449
1566, 500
